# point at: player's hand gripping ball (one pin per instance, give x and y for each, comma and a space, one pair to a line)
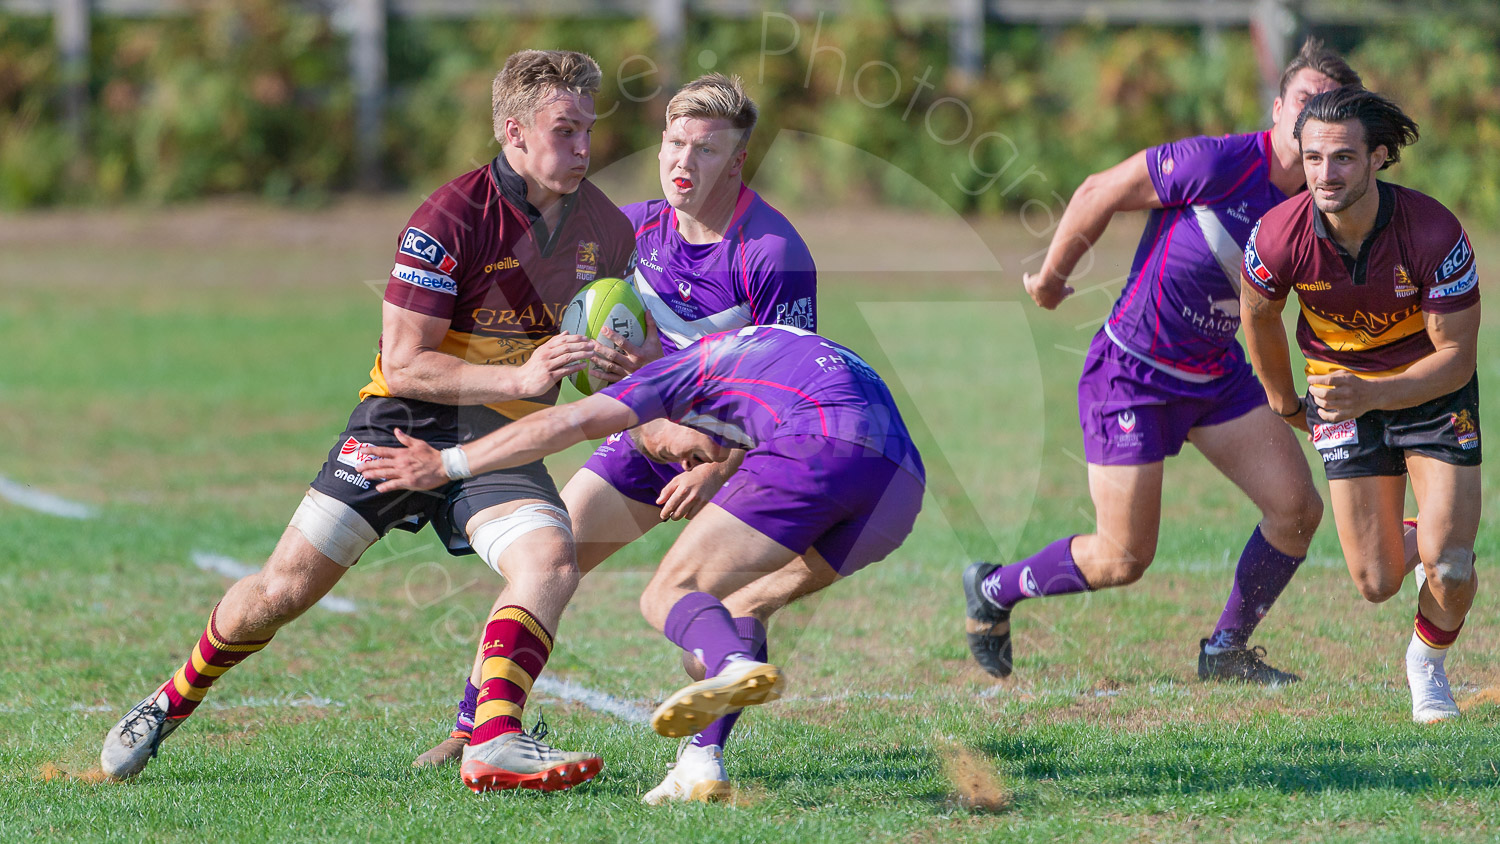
605, 303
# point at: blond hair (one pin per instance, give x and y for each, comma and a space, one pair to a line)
714, 96
531, 77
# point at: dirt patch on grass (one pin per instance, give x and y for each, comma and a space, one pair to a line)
53, 772
976, 784
1484, 697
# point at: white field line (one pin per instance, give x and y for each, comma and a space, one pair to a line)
595, 700
43, 502
236, 569
307, 701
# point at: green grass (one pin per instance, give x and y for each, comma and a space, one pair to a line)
190, 391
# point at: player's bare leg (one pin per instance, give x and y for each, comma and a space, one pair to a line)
541, 576
1448, 499
1259, 453
1127, 508
1374, 542
716, 555
604, 521
295, 578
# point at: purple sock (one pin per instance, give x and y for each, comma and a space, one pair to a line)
1049, 571
1259, 578
699, 623
465, 721
754, 637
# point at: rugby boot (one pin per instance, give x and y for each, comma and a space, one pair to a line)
522, 760
133, 742
986, 623
741, 683
1241, 665
445, 752
1431, 698
696, 777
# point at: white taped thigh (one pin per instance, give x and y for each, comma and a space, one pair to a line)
494, 537
332, 527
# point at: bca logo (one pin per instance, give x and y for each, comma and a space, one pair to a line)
421, 245
1126, 421
1456, 259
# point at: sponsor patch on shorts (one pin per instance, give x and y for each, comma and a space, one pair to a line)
347, 454
1329, 434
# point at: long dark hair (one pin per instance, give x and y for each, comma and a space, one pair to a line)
1385, 123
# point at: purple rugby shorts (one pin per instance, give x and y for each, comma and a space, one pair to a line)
850, 503
635, 475
1133, 413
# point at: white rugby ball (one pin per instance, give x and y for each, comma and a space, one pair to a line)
604, 303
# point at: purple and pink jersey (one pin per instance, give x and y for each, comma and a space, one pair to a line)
1179, 310
762, 383
761, 273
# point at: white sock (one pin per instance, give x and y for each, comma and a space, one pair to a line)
1419, 650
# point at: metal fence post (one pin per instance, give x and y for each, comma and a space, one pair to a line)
670, 19
367, 60
70, 21
966, 38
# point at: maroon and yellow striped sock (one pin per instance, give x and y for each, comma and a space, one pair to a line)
211, 657
516, 647
1433, 636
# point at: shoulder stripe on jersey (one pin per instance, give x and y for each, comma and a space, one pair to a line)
822, 417
685, 332
1225, 249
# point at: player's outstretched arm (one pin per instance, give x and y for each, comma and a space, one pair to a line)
415, 369
1455, 338
1266, 343
418, 465
1123, 187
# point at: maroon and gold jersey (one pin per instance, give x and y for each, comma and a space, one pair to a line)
1365, 313
477, 253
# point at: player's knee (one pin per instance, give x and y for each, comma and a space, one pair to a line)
284, 596
1377, 586
1454, 568
549, 556
653, 607
1297, 514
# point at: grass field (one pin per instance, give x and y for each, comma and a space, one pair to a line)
183, 373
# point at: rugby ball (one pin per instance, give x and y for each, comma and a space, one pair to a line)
605, 303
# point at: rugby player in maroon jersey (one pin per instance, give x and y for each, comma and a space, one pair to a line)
1389, 325
469, 343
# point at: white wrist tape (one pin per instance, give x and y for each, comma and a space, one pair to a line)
455, 463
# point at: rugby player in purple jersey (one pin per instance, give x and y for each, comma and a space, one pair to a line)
469, 343
830, 482
712, 256
1166, 369
1389, 325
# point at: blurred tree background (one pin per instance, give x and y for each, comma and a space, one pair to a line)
256, 97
